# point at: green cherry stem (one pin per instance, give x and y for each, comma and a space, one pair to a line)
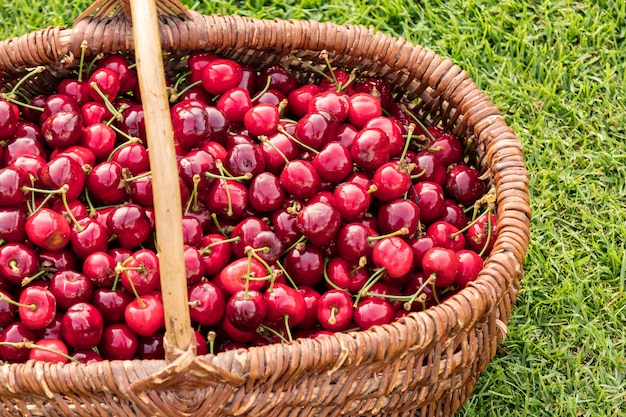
282, 130
27, 344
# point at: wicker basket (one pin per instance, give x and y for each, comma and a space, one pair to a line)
425, 364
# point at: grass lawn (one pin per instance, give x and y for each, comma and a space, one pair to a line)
557, 70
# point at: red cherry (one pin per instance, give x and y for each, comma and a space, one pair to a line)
8, 310
151, 347
99, 138
370, 149
37, 307
118, 342
334, 310
140, 273
196, 61
305, 264
346, 275
397, 214
319, 222
373, 311
446, 235
300, 97
49, 350
12, 181
443, 264
89, 236
82, 326
279, 79
106, 81
447, 147
220, 75
333, 102
284, 303
130, 224
333, 163
262, 119
393, 254
17, 261
311, 300
227, 198
482, 234
145, 315
470, 264
236, 275
121, 66
105, 183
207, 304
8, 119
48, 229
391, 181
234, 104
429, 196
62, 129
64, 171
133, 156
246, 310
86, 356
216, 253
300, 179
70, 287
15, 332
111, 303
191, 125
363, 108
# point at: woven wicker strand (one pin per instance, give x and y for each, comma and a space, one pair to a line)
425, 364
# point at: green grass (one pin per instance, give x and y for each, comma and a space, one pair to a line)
557, 70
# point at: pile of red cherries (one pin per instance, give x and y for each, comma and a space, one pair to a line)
309, 208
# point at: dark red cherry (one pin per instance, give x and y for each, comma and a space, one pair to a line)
244, 158
207, 304
463, 184
133, 156
265, 193
196, 61
333, 163
446, 235
372, 311
363, 108
12, 225
48, 229
118, 342
191, 125
105, 183
319, 222
441, 263
70, 287
353, 241
104, 82
447, 147
333, 102
21, 146
121, 66
370, 149
12, 181
8, 119
234, 104
305, 264
391, 180
130, 224
454, 214
246, 310
15, 332
429, 196
227, 198
300, 179
393, 254
279, 79
300, 97
398, 214
220, 75
470, 265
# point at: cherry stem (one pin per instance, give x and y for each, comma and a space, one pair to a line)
176, 94
282, 130
217, 224
327, 278
69, 211
10, 95
373, 279
263, 91
211, 341
27, 344
252, 252
312, 68
193, 198
418, 121
31, 307
93, 62
130, 141
431, 281
274, 332
409, 135
300, 240
92, 209
134, 290
487, 212
419, 174
138, 177
287, 276
83, 48
332, 320
287, 329
228, 176
489, 229
265, 139
207, 248
400, 232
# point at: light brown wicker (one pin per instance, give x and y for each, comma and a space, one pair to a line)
425, 364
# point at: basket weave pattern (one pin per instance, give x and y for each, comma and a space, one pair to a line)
425, 364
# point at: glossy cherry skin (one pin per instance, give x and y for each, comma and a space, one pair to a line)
99, 268
86, 356
273, 150
244, 231
454, 214
89, 236
305, 264
234, 275
215, 255
8, 311
391, 180
220, 75
191, 125
262, 119
463, 184
70, 287
47, 354
428, 166
429, 196
319, 222
64, 171
196, 61
48, 229
265, 193
107, 81
285, 227
227, 198
141, 272
134, 157
446, 235
12, 180
111, 303
151, 347
246, 310
315, 129
62, 129
55, 261
482, 234
207, 303
363, 108
470, 265
100, 138
393, 254
195, 164
284, 303
119, 64
373, 311
15, 332
234, 104
334, 310
8, 119
270, 247
82, 326
353, 241
17, 261
37, 307
279, 79
398, 214
105, 183
21, 146
311, 298
244, 158
145, 315
443, 263
332, 102
420, 246
370, 149
94, 112
333, 163
130, 224
300, 179
300, 97
378, 87
118, 342
446, 146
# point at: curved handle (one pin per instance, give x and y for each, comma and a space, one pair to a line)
167, 200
